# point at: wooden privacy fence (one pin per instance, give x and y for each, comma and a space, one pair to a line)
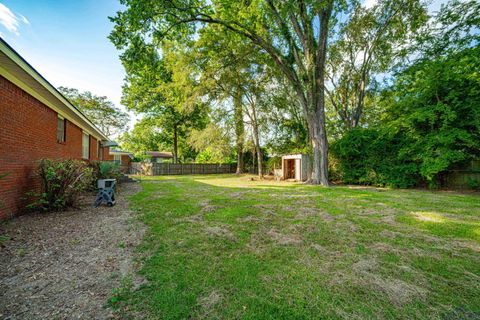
159, 169
463, 179
464, 176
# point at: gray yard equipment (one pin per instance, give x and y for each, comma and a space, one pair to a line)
106, 192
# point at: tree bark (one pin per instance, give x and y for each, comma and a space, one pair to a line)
175, 144
259, 161
256, 137
239, 129
320, 151
319, 135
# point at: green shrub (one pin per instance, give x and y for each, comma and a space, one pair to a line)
62, 181
109, 170
435, 104
105, 170
473, 183
334, 171
274, 162
371, 157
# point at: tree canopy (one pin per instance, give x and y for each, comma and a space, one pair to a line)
102, 112
268, 77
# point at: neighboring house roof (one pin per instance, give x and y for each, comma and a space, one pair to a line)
17, 70
120, 152
109, 144
159, 154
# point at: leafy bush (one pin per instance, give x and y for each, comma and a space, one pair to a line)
334, 171
62, 181
105, 170
435, 104
431, 123
371, 157
211, 155
108, 170
274, 162
473, 183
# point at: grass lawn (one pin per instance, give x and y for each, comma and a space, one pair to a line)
226, 247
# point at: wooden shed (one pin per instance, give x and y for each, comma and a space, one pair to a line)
295, 167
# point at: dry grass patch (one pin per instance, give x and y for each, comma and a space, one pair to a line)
221, 232
284, 239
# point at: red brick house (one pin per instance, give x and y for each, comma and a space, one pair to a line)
37, 121
123, 158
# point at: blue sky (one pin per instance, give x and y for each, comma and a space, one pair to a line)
66, 41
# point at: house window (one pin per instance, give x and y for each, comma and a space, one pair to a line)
117, 158
61, 125
85, 146
98, 149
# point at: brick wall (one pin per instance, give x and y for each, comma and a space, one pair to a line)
106, 154
28, 133
125, 163
93, 149
125, 160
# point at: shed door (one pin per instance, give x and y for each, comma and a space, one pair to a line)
298, 169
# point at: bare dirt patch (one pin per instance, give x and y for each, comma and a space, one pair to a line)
64, 265
251, 219
221, 232
266, 209
238, 194
398, 291
383, 247
207, 207
389, 234
209, 301
284, 239
305, 212
196, 218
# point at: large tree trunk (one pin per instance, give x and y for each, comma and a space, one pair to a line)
318, 138
260, 162
257, 148
239, 129
175, 144
252, 114
317, 117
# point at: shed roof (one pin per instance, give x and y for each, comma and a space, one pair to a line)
293, 156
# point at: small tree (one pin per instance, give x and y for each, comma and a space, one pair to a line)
62, 181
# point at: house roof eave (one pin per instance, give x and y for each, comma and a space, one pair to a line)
20, 71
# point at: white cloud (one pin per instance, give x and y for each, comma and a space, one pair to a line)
369, 3
11, 21
24, 19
